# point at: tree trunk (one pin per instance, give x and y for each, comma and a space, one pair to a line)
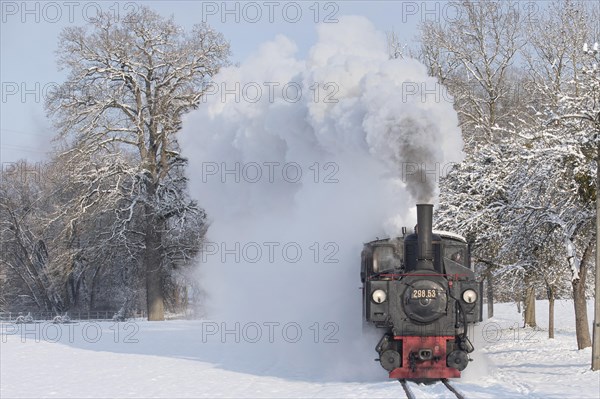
176, 298
530, 307
582, 329
152, 262
490, 295
550, 312
92, 304
581, 319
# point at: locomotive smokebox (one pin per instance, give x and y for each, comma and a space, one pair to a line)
425, 233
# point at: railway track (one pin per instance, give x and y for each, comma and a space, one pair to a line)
410, 395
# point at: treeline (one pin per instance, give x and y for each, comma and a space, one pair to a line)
69, 246
526, 86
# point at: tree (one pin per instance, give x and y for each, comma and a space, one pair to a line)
34, 255
528, 177
130, 81
25, 235
100, 238
473, 55
566, 102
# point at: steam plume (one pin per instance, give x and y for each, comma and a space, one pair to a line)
359, 121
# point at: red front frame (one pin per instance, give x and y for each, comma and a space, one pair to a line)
428, 368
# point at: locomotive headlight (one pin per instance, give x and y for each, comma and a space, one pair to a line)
379, 296
469, 296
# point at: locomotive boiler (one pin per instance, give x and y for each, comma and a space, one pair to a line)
420, 291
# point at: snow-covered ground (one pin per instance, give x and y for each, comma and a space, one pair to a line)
178, 359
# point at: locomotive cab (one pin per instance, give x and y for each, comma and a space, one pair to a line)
382, 257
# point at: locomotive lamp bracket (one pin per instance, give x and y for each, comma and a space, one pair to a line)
465, 344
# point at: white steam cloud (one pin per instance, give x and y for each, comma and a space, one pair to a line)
298, 162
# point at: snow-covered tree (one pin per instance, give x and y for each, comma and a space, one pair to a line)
525, 192
566, 95
28, 235
473, 55
130, 81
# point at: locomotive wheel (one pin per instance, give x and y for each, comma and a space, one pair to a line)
458, 360
390, 360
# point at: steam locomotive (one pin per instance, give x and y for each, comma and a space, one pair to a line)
421, 291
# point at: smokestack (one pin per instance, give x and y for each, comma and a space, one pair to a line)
424, 233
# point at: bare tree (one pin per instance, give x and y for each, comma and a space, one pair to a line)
473, 55
130, 81
395, 48
28, 236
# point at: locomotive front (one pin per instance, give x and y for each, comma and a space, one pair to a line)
421, 291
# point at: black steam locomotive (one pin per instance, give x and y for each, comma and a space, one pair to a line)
421, 291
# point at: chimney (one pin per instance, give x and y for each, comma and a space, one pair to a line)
424, 233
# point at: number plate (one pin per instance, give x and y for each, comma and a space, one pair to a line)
419, 294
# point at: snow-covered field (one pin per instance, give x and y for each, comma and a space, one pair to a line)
178, 359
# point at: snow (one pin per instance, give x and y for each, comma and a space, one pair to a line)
181, 359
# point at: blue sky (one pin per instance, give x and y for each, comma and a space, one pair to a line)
29, 37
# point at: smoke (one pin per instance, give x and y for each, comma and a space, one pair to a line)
298, 162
